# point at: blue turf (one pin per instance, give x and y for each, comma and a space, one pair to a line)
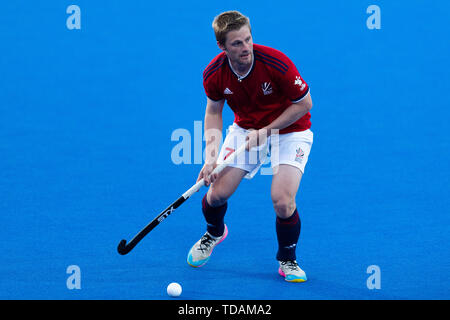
86, 118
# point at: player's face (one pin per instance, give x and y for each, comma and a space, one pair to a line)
239, 46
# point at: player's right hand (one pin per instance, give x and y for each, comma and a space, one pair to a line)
205, 174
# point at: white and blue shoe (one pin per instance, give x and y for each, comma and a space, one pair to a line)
201, 251
291, 271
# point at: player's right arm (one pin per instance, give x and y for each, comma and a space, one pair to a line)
213, 137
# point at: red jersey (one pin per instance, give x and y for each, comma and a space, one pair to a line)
258, 98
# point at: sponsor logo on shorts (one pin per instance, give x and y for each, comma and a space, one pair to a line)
299, 156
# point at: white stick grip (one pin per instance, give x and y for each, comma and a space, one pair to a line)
217, 169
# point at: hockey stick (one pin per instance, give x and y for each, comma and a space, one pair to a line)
124, 247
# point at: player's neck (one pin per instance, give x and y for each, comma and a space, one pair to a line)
241, 69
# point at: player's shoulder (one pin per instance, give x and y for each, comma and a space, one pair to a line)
214, 66
272, 57
259, 48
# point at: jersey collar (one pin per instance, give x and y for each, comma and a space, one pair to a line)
239, 77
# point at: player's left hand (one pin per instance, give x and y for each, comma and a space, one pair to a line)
256, 138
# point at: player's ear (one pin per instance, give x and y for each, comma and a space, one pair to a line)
222, 47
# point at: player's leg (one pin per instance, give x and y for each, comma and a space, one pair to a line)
214, 207
288, 166
214, 203
285, 184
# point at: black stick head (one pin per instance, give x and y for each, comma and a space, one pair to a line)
122, 247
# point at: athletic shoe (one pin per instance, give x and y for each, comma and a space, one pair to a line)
291, 271
202, 249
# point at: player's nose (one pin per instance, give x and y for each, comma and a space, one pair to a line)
247, 47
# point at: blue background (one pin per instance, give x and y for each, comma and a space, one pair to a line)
86, 118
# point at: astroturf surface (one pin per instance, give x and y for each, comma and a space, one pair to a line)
86, 119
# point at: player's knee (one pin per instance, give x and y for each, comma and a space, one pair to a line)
216, 198
284, 205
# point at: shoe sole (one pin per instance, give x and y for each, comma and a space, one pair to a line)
207, 259
281, 273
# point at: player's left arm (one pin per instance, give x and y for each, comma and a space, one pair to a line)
295, 89
291, 114
294, 112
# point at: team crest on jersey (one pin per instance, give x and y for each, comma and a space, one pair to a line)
266, 88
298, 81
299, 156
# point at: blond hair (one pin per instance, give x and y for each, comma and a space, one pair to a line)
228, 21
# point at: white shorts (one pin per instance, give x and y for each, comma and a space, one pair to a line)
289, 148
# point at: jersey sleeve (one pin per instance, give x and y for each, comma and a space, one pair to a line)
211, 90
210, 78
292, 83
